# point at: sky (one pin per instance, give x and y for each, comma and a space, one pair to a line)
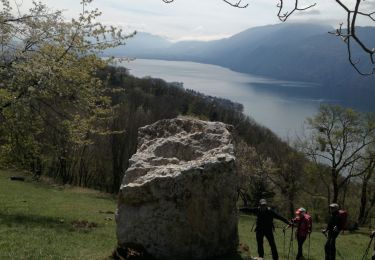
199, 19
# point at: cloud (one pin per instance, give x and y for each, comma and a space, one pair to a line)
368, 4
199, 28
208, 19
210, 37
309, 12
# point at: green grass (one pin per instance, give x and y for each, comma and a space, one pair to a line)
36, 223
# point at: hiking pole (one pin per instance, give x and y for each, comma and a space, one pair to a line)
308, 252
252, 227
368, 248
284, 242
290, 242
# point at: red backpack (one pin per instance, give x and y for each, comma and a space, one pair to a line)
343, 214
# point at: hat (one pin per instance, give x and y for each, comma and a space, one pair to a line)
300, 210
263, 202
334, 205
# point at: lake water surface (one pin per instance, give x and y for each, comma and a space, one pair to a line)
281, 106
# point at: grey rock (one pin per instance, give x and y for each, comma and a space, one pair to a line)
178, 197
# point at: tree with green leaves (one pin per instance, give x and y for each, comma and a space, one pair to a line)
253, 171
338, 137
50, 92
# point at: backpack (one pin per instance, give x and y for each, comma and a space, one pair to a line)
343, 219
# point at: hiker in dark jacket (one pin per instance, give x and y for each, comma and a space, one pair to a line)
332, 231
264, 226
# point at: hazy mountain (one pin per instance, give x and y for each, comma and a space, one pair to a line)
299, 52
142, 44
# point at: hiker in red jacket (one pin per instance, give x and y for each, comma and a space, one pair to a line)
303, 222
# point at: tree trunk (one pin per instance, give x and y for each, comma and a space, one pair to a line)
291, 206
362, 208
335, 186
346, 186
117, 162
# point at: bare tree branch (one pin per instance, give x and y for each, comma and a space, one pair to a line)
284, 16
351, 33
238, 4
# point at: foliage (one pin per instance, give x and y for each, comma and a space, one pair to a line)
253, 171
48, 77
339, 138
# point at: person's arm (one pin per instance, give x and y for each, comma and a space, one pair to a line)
372, 234
291, 223
328, 227
248, 210
277, 216
295, 221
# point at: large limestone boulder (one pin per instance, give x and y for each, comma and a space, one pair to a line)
178, 197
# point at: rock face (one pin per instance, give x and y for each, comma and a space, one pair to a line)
178, 197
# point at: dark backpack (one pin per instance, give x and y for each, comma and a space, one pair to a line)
343, 219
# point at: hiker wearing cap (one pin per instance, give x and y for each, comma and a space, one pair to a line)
336, 224
303, 222
264, 226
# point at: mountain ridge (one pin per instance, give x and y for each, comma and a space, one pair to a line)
295, 51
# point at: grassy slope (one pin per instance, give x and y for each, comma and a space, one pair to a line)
36, 223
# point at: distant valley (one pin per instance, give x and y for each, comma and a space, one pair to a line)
297, 52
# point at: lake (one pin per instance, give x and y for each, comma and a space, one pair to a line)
281, 106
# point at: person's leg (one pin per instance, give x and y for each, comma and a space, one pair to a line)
271, 241
300, 241
259, 236
333, 247
327, 250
